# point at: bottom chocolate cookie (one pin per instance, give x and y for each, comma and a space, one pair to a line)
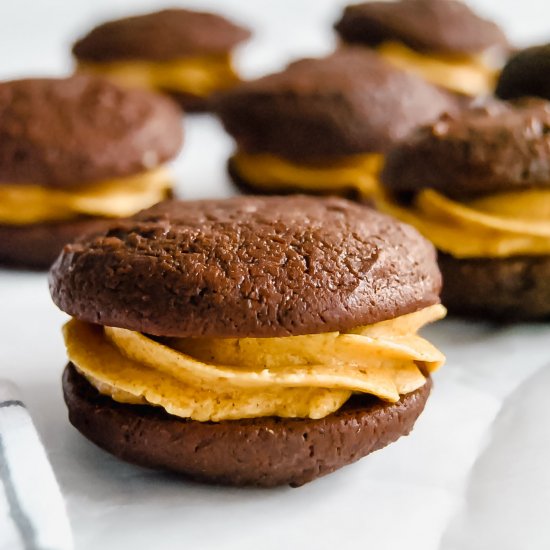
258, 451
37, 246
190, 103
507, 289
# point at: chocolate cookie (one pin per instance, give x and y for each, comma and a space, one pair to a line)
184, 53
36, 246
70, 136
161, 36
352, 101
495, 148
64, 133
258, 451
526, 74
261, 267
449, 26
144, 384
505, 289
192, 103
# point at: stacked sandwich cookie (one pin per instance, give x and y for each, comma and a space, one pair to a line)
75, 152
181, 52
260, 341
478, 186
323, 125
442, 41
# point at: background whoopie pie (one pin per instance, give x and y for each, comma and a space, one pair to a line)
75, 152
478, 186
526, 74
442, 41
252, 340
184, 53
323, 125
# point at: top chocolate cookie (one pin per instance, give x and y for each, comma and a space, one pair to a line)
161, 36
526, 74
63, 133
247, 267
444, 26
499, 147
349, 102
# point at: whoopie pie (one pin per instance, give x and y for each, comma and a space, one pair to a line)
248, 341
75, 152
478, 186
323, 125
443, 41
181, 52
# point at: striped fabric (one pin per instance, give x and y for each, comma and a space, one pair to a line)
32, 511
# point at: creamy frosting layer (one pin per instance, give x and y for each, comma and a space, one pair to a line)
355, 172
199, 76
22, 204
466, 74
495, 226
209, 379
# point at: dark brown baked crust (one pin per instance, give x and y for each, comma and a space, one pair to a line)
63, 133
37, 246
248, 267
352, 102
496, 148
508, 289
160, 36
526, 74
258, 451
190, 103
447, 26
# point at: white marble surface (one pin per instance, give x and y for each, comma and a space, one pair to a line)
474, 474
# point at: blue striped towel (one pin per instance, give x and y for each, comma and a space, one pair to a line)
32, 511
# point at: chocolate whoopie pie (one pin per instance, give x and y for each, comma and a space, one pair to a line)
478, 186
74, 153
526, 74
441, 40
248, 341
181, 52
323, 125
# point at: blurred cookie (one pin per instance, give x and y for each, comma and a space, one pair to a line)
181, 52
36, 245
73, 152
442, 41
526, 74
323, 125
259, 341
494, 148
516, 288
478, 186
